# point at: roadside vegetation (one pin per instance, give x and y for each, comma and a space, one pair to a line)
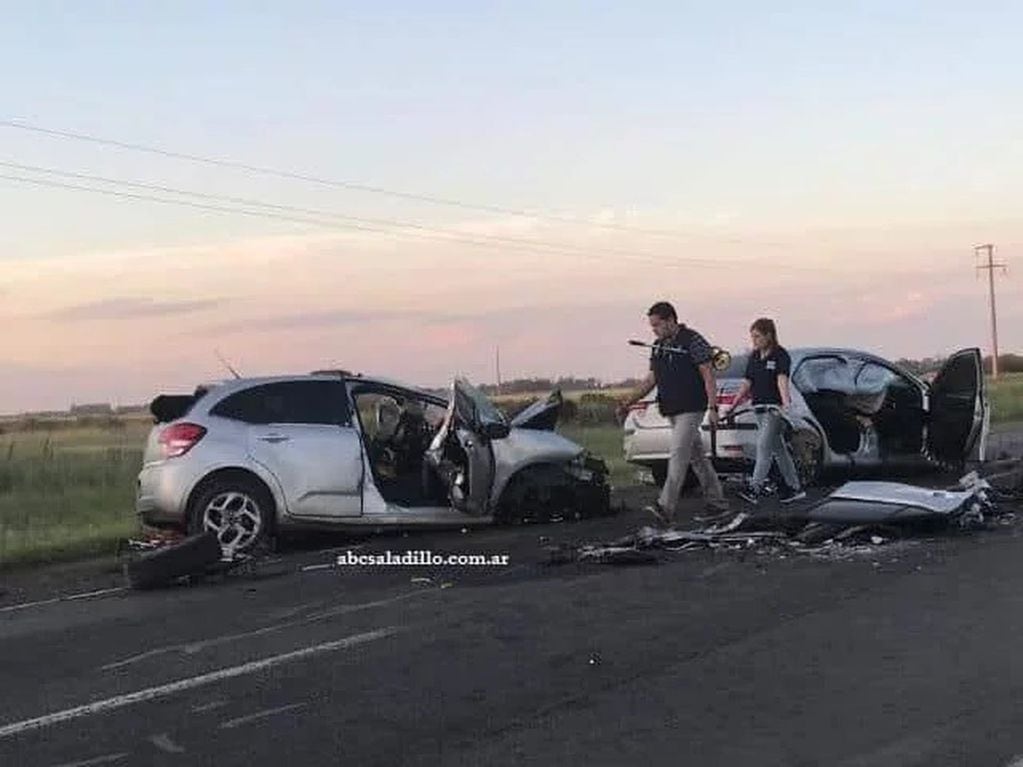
67, 486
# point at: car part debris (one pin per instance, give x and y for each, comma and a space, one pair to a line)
617, 555
161, 566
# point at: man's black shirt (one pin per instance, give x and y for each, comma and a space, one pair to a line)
680, 387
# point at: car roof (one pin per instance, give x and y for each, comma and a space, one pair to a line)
231, 385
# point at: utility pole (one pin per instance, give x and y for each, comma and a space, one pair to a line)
990, 267
498, 369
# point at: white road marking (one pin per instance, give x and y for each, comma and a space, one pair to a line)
209, 706
231, 724
309, 568
108, 759
89, 594
153, 693
194, 647
55, 600
165, 744
26, 605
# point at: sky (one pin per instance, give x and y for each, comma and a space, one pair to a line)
454, 178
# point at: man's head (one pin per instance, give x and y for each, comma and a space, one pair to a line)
663, 320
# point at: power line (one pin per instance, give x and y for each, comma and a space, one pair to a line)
304, 220
446, 234
368, 188
312, 216
419, 231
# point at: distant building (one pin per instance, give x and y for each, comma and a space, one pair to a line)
92, 409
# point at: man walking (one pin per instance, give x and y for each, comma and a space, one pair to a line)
680, 368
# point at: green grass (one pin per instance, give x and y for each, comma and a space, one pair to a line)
1007, 398
605, 442
66, 494
70, 492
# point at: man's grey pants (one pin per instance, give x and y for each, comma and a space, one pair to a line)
686, 450
771, 445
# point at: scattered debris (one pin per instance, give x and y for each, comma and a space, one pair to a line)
853, 521
310, 568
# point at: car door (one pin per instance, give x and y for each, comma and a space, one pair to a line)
476, 423
957, 407
302, 432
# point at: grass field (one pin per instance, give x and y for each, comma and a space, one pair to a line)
70, 492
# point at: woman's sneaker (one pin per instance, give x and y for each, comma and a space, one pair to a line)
752, 495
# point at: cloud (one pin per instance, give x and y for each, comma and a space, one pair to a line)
129, 308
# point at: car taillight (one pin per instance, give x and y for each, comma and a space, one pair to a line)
178, 439
638, 408
726, 398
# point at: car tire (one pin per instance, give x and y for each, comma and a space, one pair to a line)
161, 567
538, 494
238, 508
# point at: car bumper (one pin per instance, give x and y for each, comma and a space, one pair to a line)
161, 497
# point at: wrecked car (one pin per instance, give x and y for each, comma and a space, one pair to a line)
248, 458
850, 410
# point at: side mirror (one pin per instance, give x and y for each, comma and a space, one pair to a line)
493, 430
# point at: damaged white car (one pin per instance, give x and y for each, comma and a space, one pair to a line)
252, 457
850, 410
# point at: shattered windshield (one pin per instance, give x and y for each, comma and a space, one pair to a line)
483, 411
825, 374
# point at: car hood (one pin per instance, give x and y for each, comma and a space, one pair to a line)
541, 415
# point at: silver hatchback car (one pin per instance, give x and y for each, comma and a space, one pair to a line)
248, 458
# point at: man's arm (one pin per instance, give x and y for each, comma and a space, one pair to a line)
710, 384
644, 388
702, 355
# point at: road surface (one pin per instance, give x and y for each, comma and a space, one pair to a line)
909, 656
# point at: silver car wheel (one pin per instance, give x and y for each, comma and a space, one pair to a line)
236, 519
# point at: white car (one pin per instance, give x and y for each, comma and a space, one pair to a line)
850, 409
248, 457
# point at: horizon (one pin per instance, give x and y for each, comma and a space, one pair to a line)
529, 178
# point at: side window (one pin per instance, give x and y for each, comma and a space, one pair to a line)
297, 402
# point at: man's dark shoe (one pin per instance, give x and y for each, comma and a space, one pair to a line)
658, 513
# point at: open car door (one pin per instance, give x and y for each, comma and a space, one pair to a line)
462, 453
958, 407
542, 415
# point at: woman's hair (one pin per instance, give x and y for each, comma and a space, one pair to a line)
766, 327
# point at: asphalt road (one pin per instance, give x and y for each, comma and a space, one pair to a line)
908, 656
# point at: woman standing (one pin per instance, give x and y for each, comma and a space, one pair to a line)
767, 382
